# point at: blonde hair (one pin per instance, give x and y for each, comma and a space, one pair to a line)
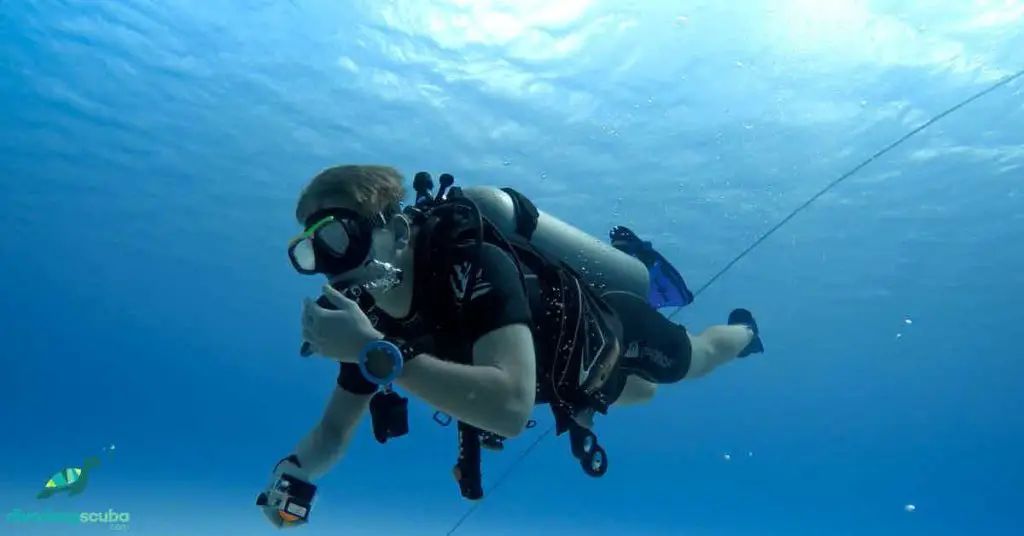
368, 190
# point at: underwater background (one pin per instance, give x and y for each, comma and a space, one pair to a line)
151, 153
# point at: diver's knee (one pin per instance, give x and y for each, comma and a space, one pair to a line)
702, 357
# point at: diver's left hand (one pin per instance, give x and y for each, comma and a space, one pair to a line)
339, 334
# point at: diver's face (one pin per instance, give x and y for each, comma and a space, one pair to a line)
384, 247
388, 239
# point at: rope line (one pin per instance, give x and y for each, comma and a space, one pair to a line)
803, 206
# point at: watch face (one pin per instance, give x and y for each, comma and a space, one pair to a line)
380, 354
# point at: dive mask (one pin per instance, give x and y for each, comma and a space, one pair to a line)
335, 241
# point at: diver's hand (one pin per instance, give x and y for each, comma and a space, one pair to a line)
271, 511
341, 333
275, 519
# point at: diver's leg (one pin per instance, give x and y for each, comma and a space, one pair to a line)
714, 347
654, 349
717, 346
637, 391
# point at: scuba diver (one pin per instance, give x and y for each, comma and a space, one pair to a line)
483, 307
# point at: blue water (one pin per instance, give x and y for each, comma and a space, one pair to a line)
151, 154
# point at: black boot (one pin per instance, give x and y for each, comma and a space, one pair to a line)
743, 317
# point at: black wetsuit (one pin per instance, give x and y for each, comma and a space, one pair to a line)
573, 328
446, 320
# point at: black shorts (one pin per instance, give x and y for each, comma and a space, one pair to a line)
652, 347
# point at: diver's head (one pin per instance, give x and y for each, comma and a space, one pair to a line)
353, 229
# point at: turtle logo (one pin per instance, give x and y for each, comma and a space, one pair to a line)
72, 480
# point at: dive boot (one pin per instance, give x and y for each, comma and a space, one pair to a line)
743, 317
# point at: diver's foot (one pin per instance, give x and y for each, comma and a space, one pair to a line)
626, 241
622, 237
743, 317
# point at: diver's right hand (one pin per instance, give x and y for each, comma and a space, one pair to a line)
272, 512
275, 519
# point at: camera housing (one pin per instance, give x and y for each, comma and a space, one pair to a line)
291, 496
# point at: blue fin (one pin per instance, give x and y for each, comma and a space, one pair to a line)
668, 288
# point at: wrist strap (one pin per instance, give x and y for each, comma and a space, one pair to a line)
405, 348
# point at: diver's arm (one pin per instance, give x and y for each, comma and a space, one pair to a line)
496, 393
326, 443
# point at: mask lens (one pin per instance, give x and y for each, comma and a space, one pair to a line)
334, 237
303, 255
335, 244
